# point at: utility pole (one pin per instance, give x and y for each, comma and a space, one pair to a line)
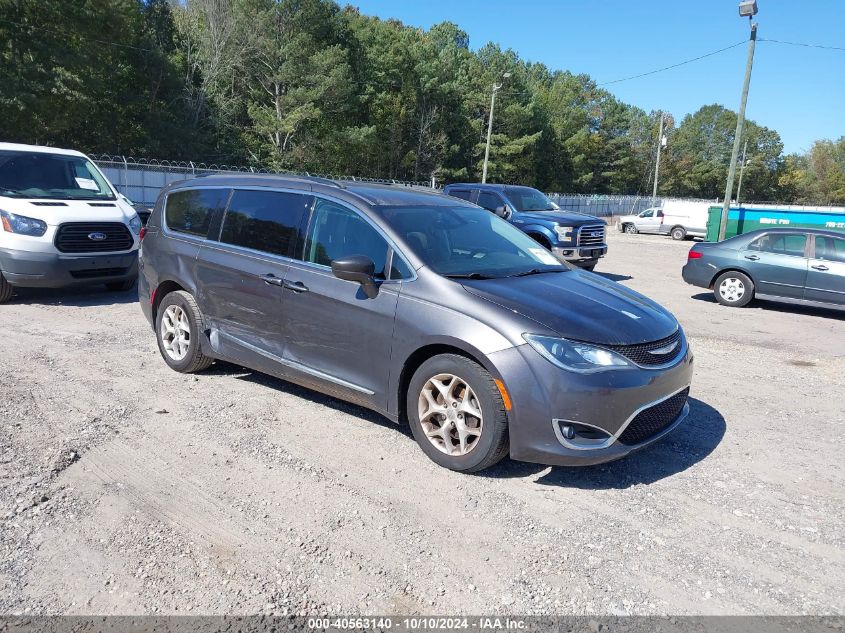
496, 88
741, 169
657, 164
740, 122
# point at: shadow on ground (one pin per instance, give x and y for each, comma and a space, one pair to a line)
79, 296
687, 445
775, 306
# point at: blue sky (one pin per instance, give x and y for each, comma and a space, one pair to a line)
800, 92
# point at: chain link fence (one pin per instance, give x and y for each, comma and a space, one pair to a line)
141, 179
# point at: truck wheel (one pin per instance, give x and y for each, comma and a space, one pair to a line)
678, 233
121, 286
733, 289
457, 414
6, 289
178, 329
631, 229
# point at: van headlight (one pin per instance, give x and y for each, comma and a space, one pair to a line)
135, 225
576, 356
22, 225
564, 233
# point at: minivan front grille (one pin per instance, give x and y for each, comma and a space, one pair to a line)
651, 421
93, 237
652, 354
591, 235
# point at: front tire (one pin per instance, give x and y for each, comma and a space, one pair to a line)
734, 289
457, 414
121, 286
6, 289
630, 229
678, 233
179, 326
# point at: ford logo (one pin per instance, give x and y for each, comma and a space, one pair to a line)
97, 237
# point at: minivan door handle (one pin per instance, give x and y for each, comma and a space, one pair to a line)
820, 267
753, 258
271, 279
296, 286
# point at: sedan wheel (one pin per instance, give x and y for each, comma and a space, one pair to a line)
450, 414
733, 289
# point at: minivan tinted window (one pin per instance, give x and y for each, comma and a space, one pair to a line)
265, 221
191, 211
337, 232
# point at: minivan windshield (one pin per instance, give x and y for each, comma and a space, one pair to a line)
469, 242
527, 199
51, 176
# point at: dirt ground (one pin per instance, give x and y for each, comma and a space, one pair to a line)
130, 489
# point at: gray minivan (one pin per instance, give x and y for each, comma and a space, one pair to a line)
417, 305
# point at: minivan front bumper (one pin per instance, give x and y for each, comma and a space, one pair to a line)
54, 270
545, 399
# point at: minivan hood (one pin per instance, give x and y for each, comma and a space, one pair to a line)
581, 306
567, 219
55, 212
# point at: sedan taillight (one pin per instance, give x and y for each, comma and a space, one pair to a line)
693, 254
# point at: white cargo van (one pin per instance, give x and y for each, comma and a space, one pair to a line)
678, 218
63, 223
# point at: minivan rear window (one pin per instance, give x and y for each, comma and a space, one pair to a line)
191, 211
265, 221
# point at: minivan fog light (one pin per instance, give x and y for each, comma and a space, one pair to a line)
582, 358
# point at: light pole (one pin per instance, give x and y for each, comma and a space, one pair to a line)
660, 143
742, 167
747, 8
496, 88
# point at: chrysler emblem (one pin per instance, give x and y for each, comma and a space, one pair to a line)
660, 351
97, 237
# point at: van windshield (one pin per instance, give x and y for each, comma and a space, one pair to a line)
50, 176
469, 242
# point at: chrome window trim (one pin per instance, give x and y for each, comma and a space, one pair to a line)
615, 436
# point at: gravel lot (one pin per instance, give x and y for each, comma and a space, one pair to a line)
130, 489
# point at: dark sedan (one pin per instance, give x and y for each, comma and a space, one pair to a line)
804, 266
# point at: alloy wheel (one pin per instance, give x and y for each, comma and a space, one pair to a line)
175, 332
450, 414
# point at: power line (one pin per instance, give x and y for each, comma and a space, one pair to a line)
660, 70
829, 48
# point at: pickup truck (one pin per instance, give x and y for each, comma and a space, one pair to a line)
572, 237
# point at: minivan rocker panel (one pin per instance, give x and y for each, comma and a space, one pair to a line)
472, 338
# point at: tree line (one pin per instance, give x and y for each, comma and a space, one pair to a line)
309, 85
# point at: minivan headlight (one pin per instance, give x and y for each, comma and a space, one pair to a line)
135, 224
564, 233
576, 356
22, 225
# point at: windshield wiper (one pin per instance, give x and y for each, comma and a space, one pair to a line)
468, 276
537, 271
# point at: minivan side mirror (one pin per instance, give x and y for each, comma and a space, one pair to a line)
357, 268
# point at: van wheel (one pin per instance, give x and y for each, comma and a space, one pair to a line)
178, 329
121, 286
457, 414
678, 233
733, 289
630, 229
6, 289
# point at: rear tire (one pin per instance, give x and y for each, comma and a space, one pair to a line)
470, 433
179, 326
630, 229
734, 289
121, 286
678, 233
6, 289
